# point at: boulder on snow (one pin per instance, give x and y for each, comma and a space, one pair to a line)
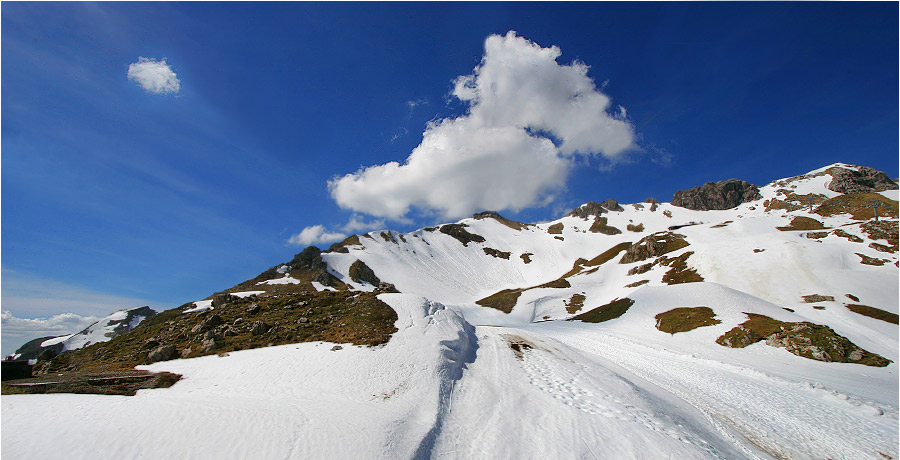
725, 194
361, 273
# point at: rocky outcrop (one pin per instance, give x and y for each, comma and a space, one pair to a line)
862, 180
361, 273
458, 231
717, 195
611, 205
586, 210
163, 353
653, 245
592, 208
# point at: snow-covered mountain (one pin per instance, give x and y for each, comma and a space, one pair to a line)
106, 329
767, 329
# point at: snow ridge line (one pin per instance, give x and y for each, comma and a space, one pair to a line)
455, 354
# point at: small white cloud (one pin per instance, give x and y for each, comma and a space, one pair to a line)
502, 153
154, 76
358, 224
315, 234
413, 104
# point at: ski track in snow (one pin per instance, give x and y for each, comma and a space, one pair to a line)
775, 415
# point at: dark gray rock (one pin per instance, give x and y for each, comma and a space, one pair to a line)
866, 180
310, 259
611, 205
586, 210
221, 299
163, 353
361, 273
253, 309
725, 194
207, 324
259, 328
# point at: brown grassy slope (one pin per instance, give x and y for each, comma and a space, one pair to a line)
342, 317
685, 319
858, 206
603, 313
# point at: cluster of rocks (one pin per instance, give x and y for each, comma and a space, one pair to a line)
725, 194
862, 180
592, 208
653, 245
361, 273
459, 232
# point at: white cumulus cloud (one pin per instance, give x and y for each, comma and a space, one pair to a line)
154, 76
315, 234
528, 117
358, 224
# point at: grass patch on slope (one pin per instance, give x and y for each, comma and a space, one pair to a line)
575, 303
603, 313
858, 206
330, 316
504, 300
802, 223
804, 339
873, 312
685, 319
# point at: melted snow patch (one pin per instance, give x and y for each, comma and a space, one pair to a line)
200, 305
244, 294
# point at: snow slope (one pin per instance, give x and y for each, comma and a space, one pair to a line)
459, 380
104, 330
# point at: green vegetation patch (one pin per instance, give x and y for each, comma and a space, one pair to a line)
575, 303
612, 310
802, 223
858, 205
555, 229
873, 312
504, 300
685, 319
805, 339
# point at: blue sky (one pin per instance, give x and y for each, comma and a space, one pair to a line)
114, 196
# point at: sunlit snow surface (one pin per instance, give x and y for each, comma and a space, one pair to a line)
449, 385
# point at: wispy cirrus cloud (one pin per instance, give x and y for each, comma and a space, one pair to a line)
154, 76
528, 117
